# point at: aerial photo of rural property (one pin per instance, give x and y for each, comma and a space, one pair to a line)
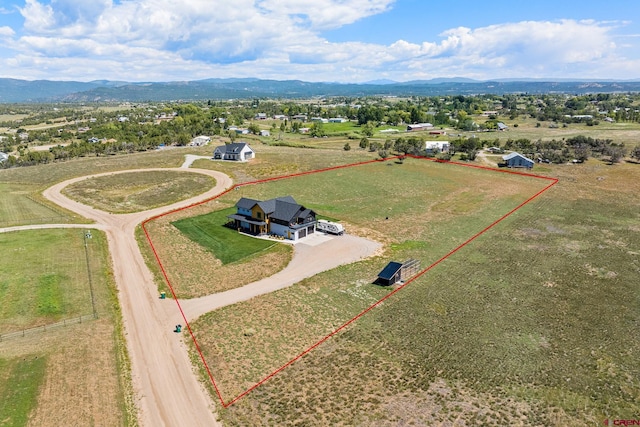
328, 213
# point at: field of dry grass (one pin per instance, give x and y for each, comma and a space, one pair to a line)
84, 379
446, 205
138, 191
509, 331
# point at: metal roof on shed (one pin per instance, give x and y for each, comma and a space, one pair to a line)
390, 270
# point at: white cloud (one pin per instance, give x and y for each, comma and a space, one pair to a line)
325, 14
168, 39
6, 32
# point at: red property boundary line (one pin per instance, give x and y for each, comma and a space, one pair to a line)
553, 182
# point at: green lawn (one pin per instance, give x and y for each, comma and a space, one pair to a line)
226, 244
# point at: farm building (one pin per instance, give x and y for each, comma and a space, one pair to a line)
396, 272
281, 216
239, 151
517, 160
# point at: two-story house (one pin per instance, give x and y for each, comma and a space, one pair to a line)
281, 216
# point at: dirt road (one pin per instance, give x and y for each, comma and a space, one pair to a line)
168, 392
167, 389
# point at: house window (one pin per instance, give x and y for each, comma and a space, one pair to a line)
259, 215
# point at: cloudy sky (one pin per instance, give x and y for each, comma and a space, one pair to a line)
318, 40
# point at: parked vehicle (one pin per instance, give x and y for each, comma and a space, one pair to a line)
330, 227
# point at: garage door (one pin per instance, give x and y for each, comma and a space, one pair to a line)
302, 233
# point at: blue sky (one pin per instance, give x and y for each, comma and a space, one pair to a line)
318, 40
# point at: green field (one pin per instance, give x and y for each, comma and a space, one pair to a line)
49, 375
534, 323
44, 278
226, 244
420, 209
20, 381
138, 191
20, 205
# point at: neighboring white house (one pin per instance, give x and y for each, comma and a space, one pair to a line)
265, 132
441, 146
240, 131
238, 151
201, 140
338, 120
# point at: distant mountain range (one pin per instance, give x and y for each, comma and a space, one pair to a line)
41, 91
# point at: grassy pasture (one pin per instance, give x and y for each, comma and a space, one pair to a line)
420, 209
138, 191
18, 206
71, 375
44, 278
19, 401
533, 323
627, 133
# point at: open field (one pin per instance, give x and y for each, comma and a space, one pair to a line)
138, 191
510, 332
627, 133
44, 278
71, 375
20, 205
531, 324
444, 206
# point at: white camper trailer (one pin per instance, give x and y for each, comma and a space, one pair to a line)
330, 227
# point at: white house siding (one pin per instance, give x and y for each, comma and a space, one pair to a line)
283, 230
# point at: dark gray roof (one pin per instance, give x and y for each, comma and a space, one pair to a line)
514, 155
267, 206
233, 148
245, 203
286, 211
390, 270
245, 219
